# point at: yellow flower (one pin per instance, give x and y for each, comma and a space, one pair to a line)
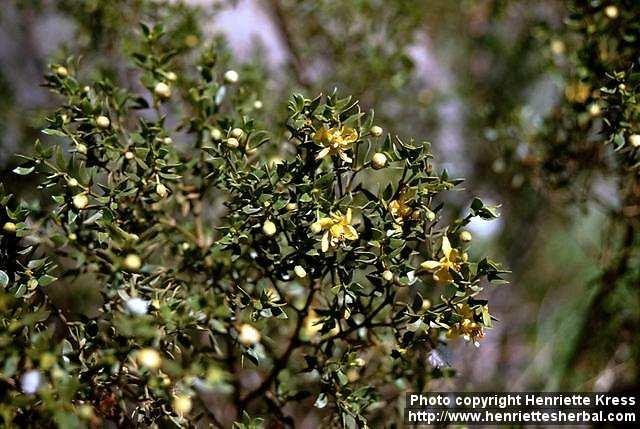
337, 229
467, 328
399, 208
336, 141
577, 92
450, 261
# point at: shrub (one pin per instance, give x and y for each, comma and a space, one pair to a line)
181, 266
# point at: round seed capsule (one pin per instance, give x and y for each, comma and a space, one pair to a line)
376, 131
216, 134
80, 201
269, 228
378, 161
62, 71
103, 122
9, 227
249, 335
300, 271
236, 133
231, 76
149, 358
132, 262
162, 91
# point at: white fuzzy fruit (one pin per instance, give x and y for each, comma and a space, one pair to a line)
249, 335
379, 160
269, 228
162, 91
103, 122
231, 76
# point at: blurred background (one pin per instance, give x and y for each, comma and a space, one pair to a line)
507, 92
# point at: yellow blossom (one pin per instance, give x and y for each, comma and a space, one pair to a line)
577, 92
399, 208
337, 229
450, 260
336, 141
467, 328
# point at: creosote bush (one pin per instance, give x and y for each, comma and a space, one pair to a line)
180, 266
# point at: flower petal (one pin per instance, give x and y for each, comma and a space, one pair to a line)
325, 242
349, 135
337, 230
324, 152
350, 233
320, 136
430, 265
446, 246
345, 157
325, 222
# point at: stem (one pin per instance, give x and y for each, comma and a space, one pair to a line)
297, 64
280, 363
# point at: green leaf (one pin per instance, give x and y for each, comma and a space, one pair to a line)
52, 132
342, 378
23, 171
46, 280
321, 401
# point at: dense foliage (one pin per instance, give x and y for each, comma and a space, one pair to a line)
327, 276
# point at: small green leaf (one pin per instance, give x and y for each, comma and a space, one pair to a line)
46, 280
321, 401
23, 171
